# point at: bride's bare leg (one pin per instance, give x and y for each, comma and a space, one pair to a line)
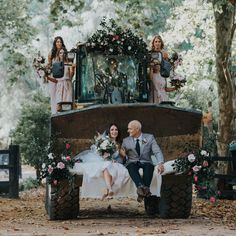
108, 180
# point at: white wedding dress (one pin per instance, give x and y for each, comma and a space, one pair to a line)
93, 186
92, 167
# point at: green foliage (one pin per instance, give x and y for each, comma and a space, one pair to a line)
28, 184
17, 66
148, 17
114, 40
60, 11
14, 23
32, 132
16, 32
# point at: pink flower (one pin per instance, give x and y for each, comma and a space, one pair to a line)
55, 182
195, 179
67, 146
115, 38
60, 165
212, 199
205, 163
50, 169
196, 168
219, 192
204, 187
68, 158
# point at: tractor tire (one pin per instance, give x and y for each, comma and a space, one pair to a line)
176, 196
151, 205
62, 202
46, 197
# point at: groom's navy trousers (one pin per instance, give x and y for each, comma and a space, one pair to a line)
148, 169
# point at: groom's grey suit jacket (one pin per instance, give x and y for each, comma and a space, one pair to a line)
148, 147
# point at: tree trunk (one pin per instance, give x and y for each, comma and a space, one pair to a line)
225, 28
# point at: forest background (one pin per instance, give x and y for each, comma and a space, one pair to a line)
202, 31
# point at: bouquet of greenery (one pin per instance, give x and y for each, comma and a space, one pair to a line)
105, 146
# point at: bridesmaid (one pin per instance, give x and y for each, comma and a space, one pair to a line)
53, 56
159, 87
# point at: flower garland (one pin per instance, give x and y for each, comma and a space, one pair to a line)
200, 166
56, 167
113, 40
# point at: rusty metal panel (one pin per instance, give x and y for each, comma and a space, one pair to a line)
162, 121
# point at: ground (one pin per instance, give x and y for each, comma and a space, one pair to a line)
27, 216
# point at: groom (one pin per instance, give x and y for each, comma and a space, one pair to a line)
138, 149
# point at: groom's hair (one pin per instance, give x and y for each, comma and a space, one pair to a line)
137, 124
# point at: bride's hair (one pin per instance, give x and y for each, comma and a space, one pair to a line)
107, 132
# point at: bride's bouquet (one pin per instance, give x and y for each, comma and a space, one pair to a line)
105, 146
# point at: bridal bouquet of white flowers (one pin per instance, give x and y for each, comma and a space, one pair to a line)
105, 146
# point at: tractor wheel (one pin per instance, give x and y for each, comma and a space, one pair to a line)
62, 202
151, 205
176, 196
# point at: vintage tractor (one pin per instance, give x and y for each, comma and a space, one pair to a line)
111, 86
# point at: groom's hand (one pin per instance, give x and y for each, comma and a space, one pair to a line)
160, 168
122, 152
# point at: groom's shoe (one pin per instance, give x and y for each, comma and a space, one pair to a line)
140, 191
140, 198
146, 191
141, 194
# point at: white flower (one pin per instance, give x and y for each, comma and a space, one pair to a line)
204, 153
129, 48
41, 73
104, 144
191, 158
43, 166
50, 156
39, 59
63, 158
144, 141
111, 50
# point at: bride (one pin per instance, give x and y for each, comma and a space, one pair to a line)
94, 165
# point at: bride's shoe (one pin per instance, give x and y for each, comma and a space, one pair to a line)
106, 193
110, 193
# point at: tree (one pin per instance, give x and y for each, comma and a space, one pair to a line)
224, 12
16, 32
32, 132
